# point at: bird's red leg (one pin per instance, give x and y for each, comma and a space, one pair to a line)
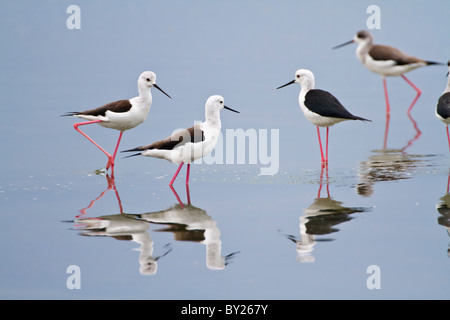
326, 157
187, 173
176, 196
388, 113
388, 108
320, 145
176, 174
188, 194
111, 161
448, 137
76, 125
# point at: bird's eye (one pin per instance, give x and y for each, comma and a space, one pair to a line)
221, 102
298, 76
148, 79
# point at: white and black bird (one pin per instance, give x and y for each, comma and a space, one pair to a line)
190, 144
121, 115
386, 61
320, 107
443, 106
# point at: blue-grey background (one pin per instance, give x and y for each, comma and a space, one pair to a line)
242, 50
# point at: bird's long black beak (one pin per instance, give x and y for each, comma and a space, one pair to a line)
225, 107
156, 86
344, 44
284, 85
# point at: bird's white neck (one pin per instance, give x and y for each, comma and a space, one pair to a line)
144, 94
212, 118
306, 85
447, 89
363, 49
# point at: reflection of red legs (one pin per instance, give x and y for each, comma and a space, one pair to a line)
418, 133
321, 181
111, 186
110, 158
388, 109
448, 136
176, 196
388, 113
448, 182
415, 88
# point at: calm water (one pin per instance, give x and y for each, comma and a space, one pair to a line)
303, 233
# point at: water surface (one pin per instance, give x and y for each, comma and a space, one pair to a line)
303, 233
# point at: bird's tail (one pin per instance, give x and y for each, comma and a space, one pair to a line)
67, 114
362, 119
133, 155
134, 149
138, 149
429, 63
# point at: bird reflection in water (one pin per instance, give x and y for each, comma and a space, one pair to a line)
387, 165
443, 208
410, 142
320, 219
122, 226
189, 223
185, 221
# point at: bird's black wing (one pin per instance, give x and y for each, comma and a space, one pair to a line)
443, 106
325, 104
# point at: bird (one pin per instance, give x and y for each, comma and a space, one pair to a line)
187, 145
320, 107
121, 115
386, 61
443, 106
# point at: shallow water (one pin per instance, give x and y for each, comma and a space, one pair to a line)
303, 233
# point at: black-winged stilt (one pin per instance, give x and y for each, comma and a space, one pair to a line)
121, 115
443, 106
189, 144
386, 61
320, 107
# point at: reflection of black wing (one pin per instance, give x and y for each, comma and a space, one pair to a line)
323, 224
181, 233
444, 219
